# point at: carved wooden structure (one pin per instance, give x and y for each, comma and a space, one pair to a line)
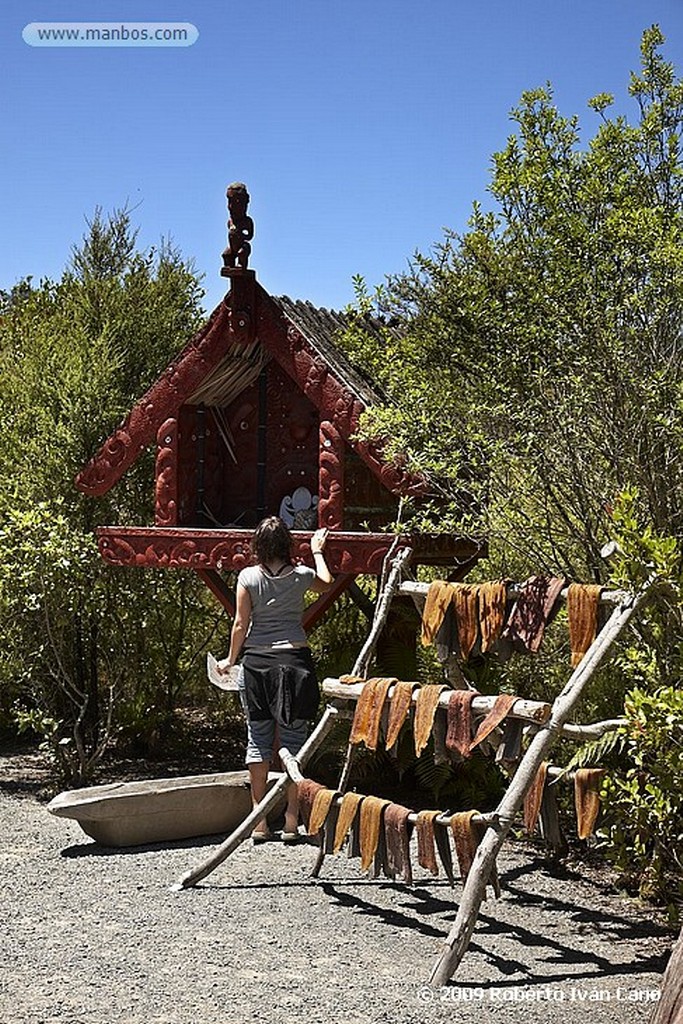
258, 415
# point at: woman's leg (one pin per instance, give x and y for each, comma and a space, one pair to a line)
258, 777
260, 737
293, 737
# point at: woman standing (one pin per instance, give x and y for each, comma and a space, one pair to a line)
277, 682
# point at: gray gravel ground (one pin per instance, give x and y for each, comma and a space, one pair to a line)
94, 936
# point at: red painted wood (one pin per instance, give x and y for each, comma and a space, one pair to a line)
315, 611
164, 398
166, 473
317, 381
218, 588
228, 550
331, 504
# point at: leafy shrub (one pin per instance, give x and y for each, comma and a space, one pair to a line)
644, 802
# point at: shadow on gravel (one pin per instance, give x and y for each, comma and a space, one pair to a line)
93, 849
620, 927
587, 963
23, 788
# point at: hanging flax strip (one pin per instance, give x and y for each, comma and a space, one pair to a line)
583, 600
401, 700
587, 799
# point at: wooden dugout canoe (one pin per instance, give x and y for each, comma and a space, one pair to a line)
158, 810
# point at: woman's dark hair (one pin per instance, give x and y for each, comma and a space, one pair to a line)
272, 541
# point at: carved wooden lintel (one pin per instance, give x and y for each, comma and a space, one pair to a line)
228, 550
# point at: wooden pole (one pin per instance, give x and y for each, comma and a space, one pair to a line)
670, 1007
459, 936
419, 590
259, 812
291, 765
528, 710
363, 660
593, 731
381, 612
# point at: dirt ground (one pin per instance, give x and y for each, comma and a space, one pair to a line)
93, 935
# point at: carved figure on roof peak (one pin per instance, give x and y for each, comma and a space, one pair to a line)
240, 227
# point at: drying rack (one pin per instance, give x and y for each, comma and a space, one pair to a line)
548, 723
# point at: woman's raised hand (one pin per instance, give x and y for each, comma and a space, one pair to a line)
318, 541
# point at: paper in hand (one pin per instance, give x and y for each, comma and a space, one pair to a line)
223, 680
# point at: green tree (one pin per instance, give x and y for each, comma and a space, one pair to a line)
86, 647
534, 366
536, 371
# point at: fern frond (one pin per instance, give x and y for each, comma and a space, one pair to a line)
594, 752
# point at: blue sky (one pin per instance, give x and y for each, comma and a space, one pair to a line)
362, 128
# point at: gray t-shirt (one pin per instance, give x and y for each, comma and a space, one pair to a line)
277, 604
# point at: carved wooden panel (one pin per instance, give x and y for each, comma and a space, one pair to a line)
162, 400
200, 468
331, 505
166, 475
336, 403
292, 437
228, 550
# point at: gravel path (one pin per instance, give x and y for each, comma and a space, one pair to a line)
94, 936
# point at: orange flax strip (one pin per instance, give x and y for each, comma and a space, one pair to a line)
347, 812
425, 708
368, 714
307, 790
320, 809
370, 824
465, 600
587, 799
459, 722
492, 601
583, 600
426, 849
465, 839
436, 604
499, 712
401, 699
532, 801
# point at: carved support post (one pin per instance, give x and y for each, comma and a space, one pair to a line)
218, 587
315, 611
331, 479
166, 474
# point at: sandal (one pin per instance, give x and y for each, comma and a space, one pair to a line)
260, 837
290, 837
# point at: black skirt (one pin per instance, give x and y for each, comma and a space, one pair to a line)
280, 684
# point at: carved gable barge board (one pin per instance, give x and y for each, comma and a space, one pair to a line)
180, 378
229, 551
321, 372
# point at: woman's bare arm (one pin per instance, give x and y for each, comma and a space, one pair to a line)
239, 630
323, 577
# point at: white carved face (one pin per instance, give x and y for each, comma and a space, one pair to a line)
300, 501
